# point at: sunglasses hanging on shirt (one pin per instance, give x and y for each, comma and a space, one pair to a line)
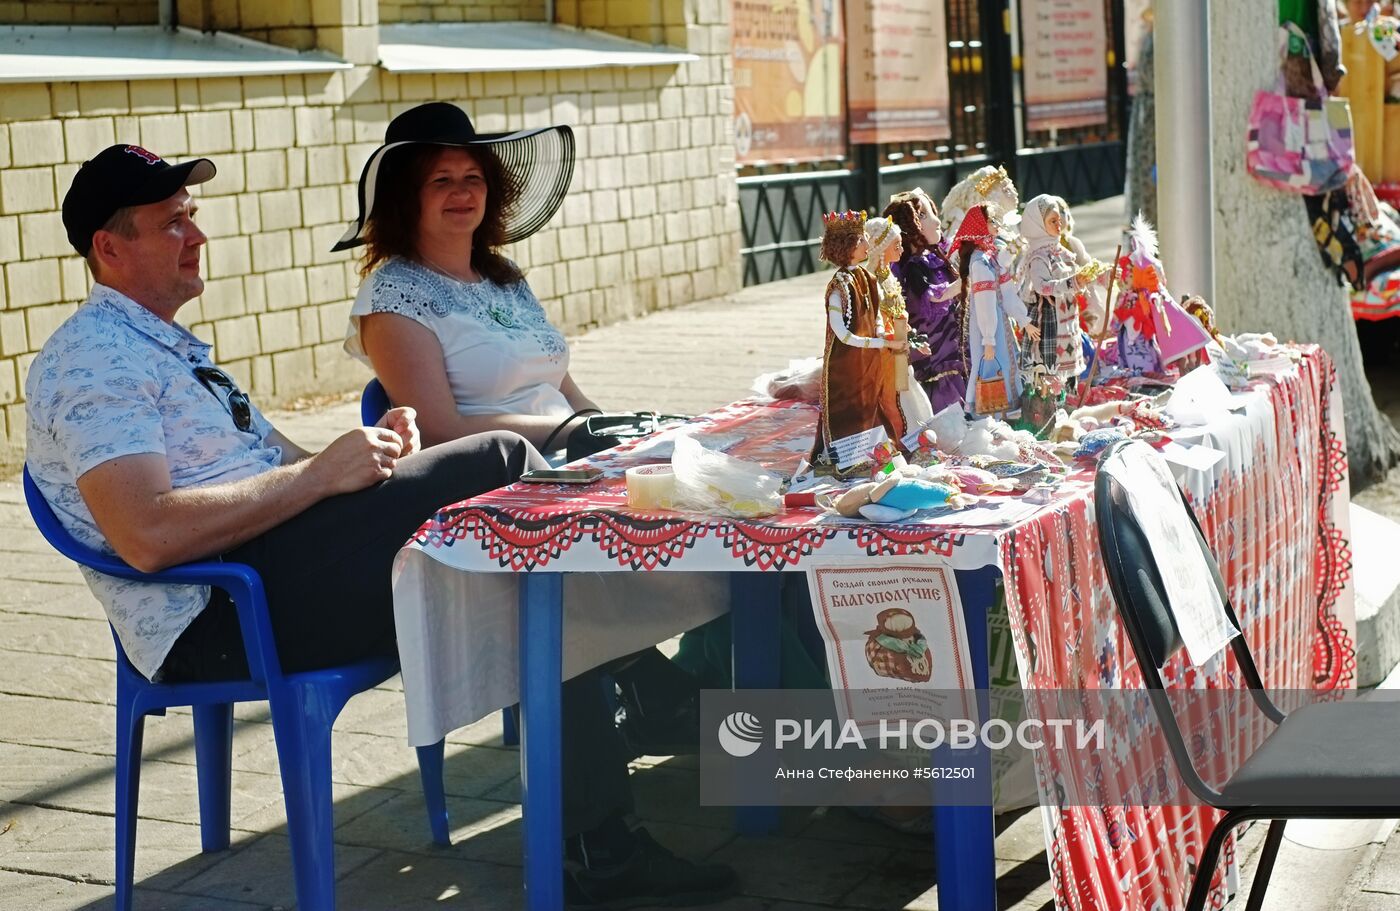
223, 387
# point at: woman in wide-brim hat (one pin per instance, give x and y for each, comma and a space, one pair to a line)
451, 328
448, 323
538, 164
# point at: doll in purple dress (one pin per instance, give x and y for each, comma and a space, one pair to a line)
930, 286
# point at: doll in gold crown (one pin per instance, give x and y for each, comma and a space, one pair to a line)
858, 391
992, 189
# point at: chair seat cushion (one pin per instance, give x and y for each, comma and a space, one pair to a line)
1327, 754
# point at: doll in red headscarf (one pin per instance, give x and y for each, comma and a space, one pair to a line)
990, 302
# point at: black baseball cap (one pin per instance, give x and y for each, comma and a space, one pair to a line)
121, 176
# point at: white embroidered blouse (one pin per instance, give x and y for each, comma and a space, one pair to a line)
502, 354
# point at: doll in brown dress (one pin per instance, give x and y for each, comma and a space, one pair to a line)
858, 363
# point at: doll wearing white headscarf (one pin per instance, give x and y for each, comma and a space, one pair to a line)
1049, 286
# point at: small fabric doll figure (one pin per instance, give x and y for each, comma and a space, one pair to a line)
857, 383
989, 301
1050, 284
884, 240
1093, 309
1153, 330
930, 287
1197, 308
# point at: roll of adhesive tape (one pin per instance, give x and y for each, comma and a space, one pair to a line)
651, 487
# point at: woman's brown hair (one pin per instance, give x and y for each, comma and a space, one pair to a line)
391, 229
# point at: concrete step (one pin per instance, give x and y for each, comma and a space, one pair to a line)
1376, 575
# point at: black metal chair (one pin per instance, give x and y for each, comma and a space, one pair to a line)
1330, 760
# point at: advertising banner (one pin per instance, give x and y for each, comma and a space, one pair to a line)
897, 70
1064, 48
789, 102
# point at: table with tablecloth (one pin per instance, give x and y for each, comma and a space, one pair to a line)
1274, 509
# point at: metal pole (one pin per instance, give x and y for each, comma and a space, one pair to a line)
1001, 113
167, 15
1185, 186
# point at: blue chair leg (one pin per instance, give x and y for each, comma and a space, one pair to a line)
301, 725
964, 839
430, 768
131, 725
755, 615
510, 734
541, 784
213, 753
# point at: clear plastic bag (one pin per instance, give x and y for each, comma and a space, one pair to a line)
801, 381
715, 483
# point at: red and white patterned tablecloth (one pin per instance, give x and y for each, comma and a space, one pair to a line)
1274, 509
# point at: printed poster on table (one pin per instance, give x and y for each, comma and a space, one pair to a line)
1064, 48
896, 643
897, 70
789, 97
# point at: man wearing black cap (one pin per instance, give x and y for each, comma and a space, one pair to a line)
145, 448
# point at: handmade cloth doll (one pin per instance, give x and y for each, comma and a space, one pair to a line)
1050, 284
1197, 308
857, 385
987, 186
884, 240
930, 287
1153, 330
989, 301
1093, 297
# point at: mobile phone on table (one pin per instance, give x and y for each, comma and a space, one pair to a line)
562, 476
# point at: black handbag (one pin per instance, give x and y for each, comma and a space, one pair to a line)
604, 431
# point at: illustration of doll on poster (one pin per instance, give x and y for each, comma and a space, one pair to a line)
896, 642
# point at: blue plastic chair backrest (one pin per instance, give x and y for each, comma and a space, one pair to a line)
374, 401
242, 582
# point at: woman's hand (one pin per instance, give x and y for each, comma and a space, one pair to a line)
989, 352
1032, 332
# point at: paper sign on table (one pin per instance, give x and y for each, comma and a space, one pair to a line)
856, 448
1198, 457
896, 643
1195, 602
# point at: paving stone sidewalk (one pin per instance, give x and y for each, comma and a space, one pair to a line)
57, 723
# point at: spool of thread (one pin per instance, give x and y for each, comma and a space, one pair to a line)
651, 487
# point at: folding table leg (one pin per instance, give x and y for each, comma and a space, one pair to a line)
541, 789
964, 836
755, 612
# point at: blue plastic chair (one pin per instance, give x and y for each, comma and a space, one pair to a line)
374, 401
304, 707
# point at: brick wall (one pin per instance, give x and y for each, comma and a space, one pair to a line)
81, 12
651, 220
348, 28
461, 10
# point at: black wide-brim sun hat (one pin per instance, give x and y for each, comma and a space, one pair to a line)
540, 160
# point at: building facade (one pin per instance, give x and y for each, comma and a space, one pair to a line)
651, 220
